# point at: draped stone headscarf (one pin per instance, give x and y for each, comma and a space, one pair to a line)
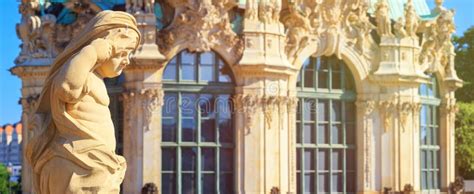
96, 28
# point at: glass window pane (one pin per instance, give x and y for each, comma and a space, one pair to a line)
170, 105
226, 183
226, 160
336, 159
350, 111
188, 130
168, 128
168, 183
298, 159
224, 72
208, 183
188, 183
323, 182
208, 132
298, 132
188, 66
170, 70
309, 110
350, 134
188, 159
423, 159
336, 134
226, 133
188, 105
309, 163
323, 110
170, 163
207, 66
336, 110
336, 80
224, 106
351, 182
323, 134
323, 160
208, 159
309, 131
337, 182
323, 79
351, 160
206, 105
309, 180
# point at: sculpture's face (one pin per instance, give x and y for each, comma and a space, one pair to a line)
124, 45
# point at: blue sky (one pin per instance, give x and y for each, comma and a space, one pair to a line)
10, 85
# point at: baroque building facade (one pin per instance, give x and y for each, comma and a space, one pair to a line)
268, 96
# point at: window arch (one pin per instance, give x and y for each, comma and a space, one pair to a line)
325, 127
429, 135
197, 131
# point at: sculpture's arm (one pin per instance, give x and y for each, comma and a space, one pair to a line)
72, 80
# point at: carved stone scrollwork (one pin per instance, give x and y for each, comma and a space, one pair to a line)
150, 99
200, 26
29, 113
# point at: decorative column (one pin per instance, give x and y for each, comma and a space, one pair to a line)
266, 105
142, 100
32, 78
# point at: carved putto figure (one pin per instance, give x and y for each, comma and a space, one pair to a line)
140, 6
383, 19
78, 135
361, 26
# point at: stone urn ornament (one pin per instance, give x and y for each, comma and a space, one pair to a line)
74, 151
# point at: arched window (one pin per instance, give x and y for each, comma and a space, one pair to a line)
429, 132
325, 127
197, 131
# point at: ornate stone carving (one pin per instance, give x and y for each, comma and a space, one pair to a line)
382, 18
140, 6
42, 37
151, 100
411, 19
247, 104
387, 111
404, 110
328, 24
200, 26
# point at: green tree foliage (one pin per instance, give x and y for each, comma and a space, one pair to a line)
465, 140
464, 47
4, 176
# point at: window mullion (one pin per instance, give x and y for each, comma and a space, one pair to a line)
216, 124
178, 148
302, 147
198, 138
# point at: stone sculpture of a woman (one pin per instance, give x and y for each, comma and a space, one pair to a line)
75, 150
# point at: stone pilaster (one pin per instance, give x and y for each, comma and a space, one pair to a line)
448, 111
366, 144
32, 78
266, 106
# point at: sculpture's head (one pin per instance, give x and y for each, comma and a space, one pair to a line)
123, 42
